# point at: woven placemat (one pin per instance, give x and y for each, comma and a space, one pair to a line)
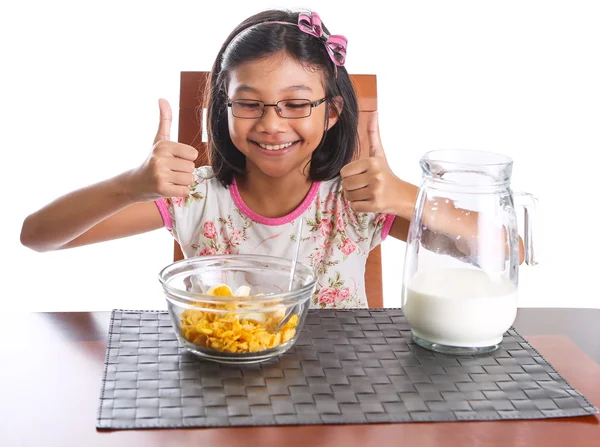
350, 366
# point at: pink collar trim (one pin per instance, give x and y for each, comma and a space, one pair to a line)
237, 199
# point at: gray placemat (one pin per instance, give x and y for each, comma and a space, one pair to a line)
350, 366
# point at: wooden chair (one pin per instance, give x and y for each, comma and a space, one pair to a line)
190, 132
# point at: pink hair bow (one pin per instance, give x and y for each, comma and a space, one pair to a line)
335, 44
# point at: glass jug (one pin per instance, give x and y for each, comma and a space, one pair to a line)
459, 291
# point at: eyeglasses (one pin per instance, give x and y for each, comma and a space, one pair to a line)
287, 108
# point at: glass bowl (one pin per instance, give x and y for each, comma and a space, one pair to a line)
215, 325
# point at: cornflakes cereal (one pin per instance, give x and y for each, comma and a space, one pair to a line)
232, 332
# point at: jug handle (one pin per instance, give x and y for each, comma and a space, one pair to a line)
529, 203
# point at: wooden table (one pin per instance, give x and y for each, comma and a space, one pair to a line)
52, 365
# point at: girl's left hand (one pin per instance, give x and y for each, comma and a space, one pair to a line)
370, 185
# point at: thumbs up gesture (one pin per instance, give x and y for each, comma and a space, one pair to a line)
369, 184
168, 170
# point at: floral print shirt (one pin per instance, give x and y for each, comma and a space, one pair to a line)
335, 240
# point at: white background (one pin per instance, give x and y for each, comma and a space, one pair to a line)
80, 83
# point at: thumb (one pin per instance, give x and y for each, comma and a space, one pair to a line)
375, 146
164, 125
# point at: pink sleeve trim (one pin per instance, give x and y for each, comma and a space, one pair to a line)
161, 204
387, 226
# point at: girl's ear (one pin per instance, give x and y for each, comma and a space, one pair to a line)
335, 107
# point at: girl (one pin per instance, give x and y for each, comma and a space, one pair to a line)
282, 126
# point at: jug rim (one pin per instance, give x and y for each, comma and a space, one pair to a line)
467, 157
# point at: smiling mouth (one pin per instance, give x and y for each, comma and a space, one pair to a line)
275, 147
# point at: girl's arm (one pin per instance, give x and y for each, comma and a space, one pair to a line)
401, 225
371, 186
97, 213
458, 226
118, 207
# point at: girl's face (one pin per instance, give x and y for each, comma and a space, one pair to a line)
273, 145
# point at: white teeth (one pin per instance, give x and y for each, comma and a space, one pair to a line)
275, 147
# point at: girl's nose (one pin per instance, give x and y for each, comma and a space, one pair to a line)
270, 122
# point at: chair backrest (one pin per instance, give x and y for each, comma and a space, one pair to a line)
191, 96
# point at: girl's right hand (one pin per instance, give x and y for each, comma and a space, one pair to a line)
168, 171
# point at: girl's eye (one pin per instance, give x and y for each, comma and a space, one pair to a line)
249, 104
295, 105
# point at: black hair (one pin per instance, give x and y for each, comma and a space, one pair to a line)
338, 146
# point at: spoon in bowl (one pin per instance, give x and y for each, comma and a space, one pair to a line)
292, 273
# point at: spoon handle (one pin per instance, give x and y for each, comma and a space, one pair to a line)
292, 274
296, 250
